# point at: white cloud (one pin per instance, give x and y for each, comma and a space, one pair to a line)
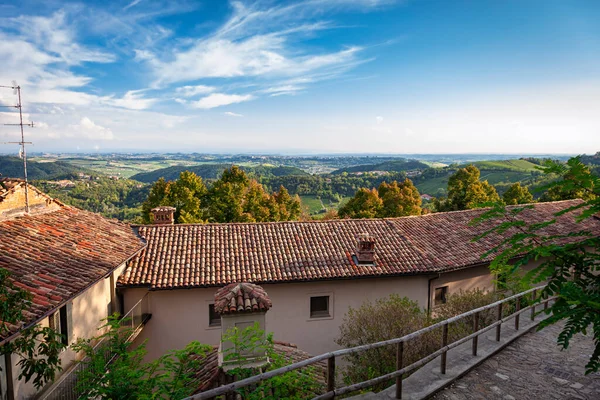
232, 114
379, 119
220, 99
283, 89
132, 100
90, 130
190, 91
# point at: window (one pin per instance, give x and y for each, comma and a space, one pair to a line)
319, 307
214, 319
440, 295
61, 321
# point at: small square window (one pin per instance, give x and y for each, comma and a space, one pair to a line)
440, 295
214, 319
319, 307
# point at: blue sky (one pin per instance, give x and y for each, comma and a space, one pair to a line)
314, 76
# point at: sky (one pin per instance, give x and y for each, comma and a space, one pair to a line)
303, 77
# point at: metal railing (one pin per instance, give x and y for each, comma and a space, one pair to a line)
513, 301
65, 388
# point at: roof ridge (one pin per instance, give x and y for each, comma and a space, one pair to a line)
340, 220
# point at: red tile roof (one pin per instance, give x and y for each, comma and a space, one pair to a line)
241, 297
57, 255
184, 256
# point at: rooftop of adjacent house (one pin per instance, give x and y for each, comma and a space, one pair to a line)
203, 255
241, 297
57, 254
209, 375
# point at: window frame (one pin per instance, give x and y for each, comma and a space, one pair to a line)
330, 306
443, 297
211, 311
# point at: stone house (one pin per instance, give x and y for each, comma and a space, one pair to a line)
313, 271
69, 260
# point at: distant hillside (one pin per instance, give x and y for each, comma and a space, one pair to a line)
213, 171
12, 167
506, 165
390, 166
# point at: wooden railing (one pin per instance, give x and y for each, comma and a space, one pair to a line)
401, 369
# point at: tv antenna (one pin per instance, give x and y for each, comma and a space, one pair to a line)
22, 152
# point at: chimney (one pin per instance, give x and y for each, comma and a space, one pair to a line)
163, 215
365, 250
241, 305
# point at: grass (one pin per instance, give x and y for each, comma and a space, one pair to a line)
316, 206
512, 165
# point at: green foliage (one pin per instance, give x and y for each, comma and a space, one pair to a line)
466, 191
13, 167
569, 262
38, 348
517, 194
384, 319
390, 200
296, 384
112, 371
235, 197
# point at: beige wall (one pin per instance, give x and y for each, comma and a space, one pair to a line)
14, 204
180, 316
87, 311
465, 279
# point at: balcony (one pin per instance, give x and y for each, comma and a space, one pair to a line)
65, 387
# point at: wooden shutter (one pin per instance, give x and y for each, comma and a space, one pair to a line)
69, 331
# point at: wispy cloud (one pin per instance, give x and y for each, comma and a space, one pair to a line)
190, 91
90, 130
232, 114
220, 99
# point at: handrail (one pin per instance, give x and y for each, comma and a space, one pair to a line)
342, 352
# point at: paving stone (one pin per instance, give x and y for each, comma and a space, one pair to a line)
501, 376
533, 368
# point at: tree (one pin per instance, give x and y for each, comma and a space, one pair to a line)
186, 194
399, 200
517, 194
562, 192
171, 376
232, 198
569, 261
365, 204
38, 347
466, 191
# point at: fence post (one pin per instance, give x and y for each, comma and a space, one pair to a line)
498, 318
444, 344
331, 374
518, 315
533, 299
399, 366
546, 304
475, 329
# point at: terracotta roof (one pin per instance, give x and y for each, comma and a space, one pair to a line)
240, 298
184, 256
56, 255
208, 374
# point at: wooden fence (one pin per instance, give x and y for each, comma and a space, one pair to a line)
400, 343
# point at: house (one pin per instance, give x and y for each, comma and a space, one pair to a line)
69, 259
426, 197
313, 271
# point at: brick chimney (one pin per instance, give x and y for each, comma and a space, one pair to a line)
365, 250
163, 215
241, 305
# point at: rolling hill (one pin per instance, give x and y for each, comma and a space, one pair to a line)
390, 166
213, 171
12, 167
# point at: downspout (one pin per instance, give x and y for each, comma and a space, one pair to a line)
429, 292
10, 391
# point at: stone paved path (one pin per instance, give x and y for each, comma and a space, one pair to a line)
532, 367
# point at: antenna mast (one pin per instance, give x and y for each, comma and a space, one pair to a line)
23, 152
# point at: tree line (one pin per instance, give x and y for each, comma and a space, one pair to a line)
234, 197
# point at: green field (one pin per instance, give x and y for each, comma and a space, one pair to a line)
316, 206
512, 165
